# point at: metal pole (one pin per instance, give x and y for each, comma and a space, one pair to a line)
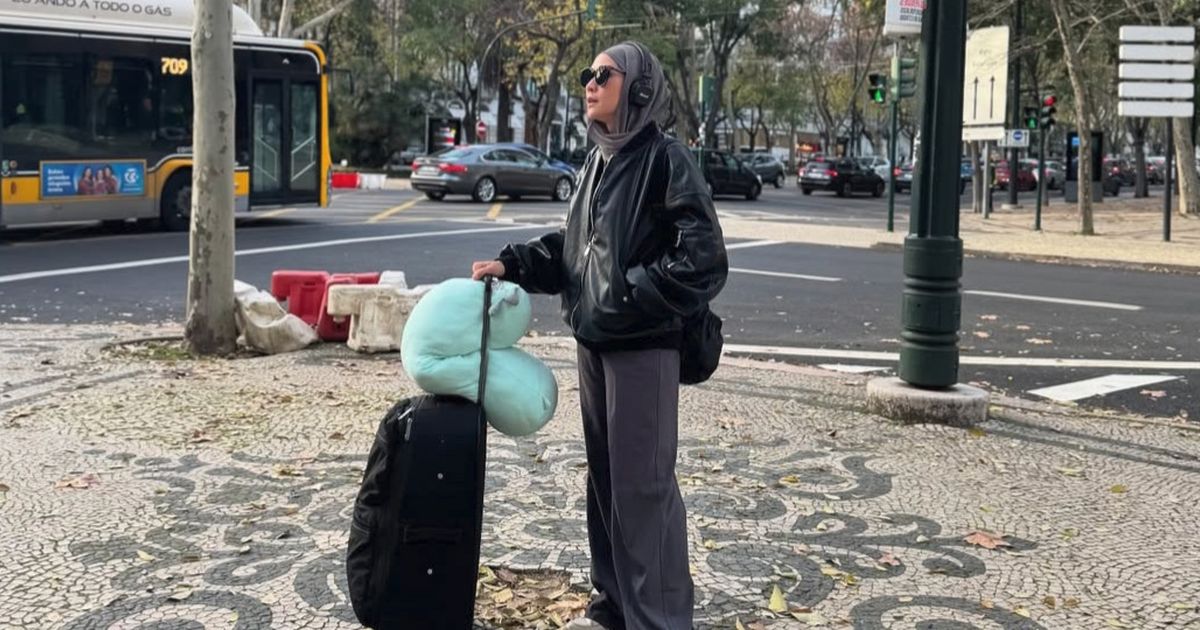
1170, 171
1037, 221
987, 179
933, 252
1014, 154
891, 222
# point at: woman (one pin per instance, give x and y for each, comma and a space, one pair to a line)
641, 252
86, 185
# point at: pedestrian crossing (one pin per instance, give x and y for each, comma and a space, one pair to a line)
1100, 386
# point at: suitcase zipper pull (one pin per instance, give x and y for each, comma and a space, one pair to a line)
407, 418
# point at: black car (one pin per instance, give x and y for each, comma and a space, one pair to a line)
726, 175
842, 176
767, 166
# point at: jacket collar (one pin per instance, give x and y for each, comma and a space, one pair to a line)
647, 133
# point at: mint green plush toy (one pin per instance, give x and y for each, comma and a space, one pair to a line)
440, 351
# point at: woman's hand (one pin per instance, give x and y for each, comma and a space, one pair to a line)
483, 268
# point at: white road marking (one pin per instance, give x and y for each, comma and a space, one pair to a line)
150, 262
752, 244
780, 274
853, 369
1054, 300
866, 355
1099, 386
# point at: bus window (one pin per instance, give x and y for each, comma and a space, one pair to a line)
174, 132
122, 120
41, 108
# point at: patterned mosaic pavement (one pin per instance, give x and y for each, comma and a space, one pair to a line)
141, 491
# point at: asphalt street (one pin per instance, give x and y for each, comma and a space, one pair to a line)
1131, 336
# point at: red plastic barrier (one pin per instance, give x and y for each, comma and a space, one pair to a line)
304, 292
330, 328
345, 180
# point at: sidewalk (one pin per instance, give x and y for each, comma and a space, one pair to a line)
142, 489
1128, 233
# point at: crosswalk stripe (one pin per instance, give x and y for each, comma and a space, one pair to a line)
392, 211
1100, 386
780, 274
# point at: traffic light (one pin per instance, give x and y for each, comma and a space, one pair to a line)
1048, 111
904, 77
1031, 118
878, 88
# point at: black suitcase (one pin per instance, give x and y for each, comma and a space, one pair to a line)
413, 556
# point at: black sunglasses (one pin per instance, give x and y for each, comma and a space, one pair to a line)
601, 75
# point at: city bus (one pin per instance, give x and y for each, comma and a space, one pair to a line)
96, 114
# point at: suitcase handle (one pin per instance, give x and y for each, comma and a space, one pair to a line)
418, 535
487, 331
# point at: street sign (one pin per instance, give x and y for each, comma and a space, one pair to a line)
1015, 139
985, 84
903, 17
1156, 71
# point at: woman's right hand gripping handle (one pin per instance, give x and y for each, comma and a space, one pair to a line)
482, 268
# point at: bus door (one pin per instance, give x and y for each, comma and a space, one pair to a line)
285, 145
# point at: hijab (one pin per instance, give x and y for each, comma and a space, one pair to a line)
636, 62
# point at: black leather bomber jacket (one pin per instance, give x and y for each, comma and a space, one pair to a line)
641, 250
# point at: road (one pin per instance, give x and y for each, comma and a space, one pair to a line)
830, 306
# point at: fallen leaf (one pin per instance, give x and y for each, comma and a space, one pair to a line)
1022, 612
180, 595
199, 437
289, 510
887, 559
83, 482
4, 488
1071, 602
145, 557
1039, 342
777, 604
987, 509
983, 335
976, 432
1119, 489
738, 625
988, 604
282, 470
338, 435
790, 480
1071, 472
1183, 606
1156, 394
810, 618
1049, 601
1069, 533
503, 596
987, 540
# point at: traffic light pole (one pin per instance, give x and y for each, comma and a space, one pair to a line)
1169, 168
891, 221
1041, 180
1014, 154
933, 252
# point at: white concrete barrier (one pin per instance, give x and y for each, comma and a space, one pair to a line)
263, 324
377, 313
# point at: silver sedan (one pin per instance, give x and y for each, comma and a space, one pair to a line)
487, 171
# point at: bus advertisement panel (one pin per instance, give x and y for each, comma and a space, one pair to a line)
93, 178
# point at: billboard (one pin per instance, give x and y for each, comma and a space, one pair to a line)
903, 17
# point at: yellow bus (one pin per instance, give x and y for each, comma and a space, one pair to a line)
96, 114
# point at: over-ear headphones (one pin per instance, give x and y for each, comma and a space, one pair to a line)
641, 92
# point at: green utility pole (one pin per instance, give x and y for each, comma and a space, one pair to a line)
903, 83
933, 252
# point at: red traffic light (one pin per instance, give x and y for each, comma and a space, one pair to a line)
1049, 101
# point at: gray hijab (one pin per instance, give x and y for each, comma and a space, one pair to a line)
636, 62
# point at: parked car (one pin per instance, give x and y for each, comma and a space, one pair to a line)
487, 171
767, 166
1121, 170
904, 178
1055, 175
538, 153
966, 171
880, 165
1026, 177
726, 175
843, 177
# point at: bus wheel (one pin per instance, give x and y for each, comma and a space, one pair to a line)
176, 212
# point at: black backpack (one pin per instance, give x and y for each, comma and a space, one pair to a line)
413, 556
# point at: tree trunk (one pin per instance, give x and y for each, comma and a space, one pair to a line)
1137, 129
1082, 118
284, 28
211, 328
504, 113
977, 183
1185, 162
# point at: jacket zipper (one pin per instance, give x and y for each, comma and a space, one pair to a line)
587, 250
